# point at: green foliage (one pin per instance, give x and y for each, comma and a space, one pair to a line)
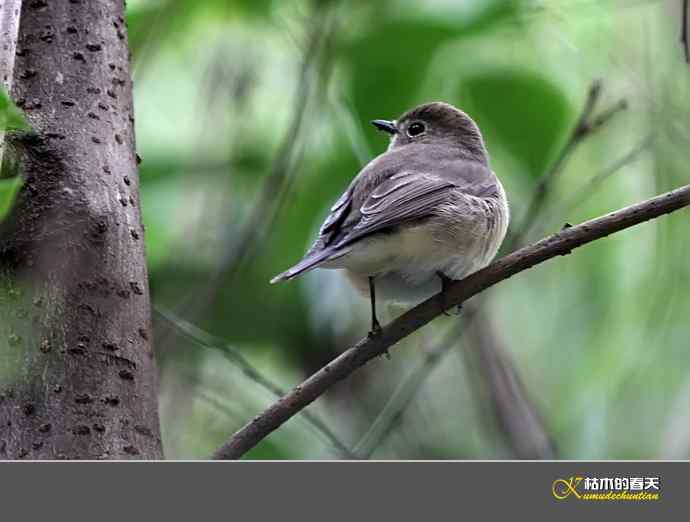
11, 117
9, 188
523, 112
390, 60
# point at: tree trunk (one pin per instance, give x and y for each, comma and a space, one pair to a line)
77, 376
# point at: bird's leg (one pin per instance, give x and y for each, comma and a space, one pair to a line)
375, 325
445, 283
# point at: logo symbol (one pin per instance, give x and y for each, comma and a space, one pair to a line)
562, 488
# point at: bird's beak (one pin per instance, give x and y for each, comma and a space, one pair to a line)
385, 125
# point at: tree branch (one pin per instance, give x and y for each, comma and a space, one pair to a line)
559, 244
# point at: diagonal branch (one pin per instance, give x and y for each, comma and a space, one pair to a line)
559, 244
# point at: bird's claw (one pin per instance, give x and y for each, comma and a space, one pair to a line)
375, 329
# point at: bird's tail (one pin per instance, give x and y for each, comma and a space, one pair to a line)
308, 263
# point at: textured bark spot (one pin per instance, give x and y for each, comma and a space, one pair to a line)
111, 400
47, 34
81, 429
79, 349
126, 375
143, 430
83, 398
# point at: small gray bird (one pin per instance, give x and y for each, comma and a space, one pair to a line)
426, 211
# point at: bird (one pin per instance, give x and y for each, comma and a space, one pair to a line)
427, 211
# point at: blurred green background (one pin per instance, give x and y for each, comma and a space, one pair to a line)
252, 117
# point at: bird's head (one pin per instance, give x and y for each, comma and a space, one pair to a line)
437, 123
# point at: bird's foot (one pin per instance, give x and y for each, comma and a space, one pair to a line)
375, 329
375, 332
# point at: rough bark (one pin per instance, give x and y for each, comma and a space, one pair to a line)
77, 376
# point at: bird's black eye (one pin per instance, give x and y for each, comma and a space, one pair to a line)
415, 129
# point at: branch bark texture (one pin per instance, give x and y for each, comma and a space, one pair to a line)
77, 376
559, 244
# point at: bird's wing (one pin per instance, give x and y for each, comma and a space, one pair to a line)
404, 197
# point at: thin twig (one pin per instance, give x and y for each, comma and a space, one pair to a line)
235, 357
559, 244
586, 125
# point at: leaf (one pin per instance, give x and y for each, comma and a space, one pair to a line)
525, 113
11, 117
8, 192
